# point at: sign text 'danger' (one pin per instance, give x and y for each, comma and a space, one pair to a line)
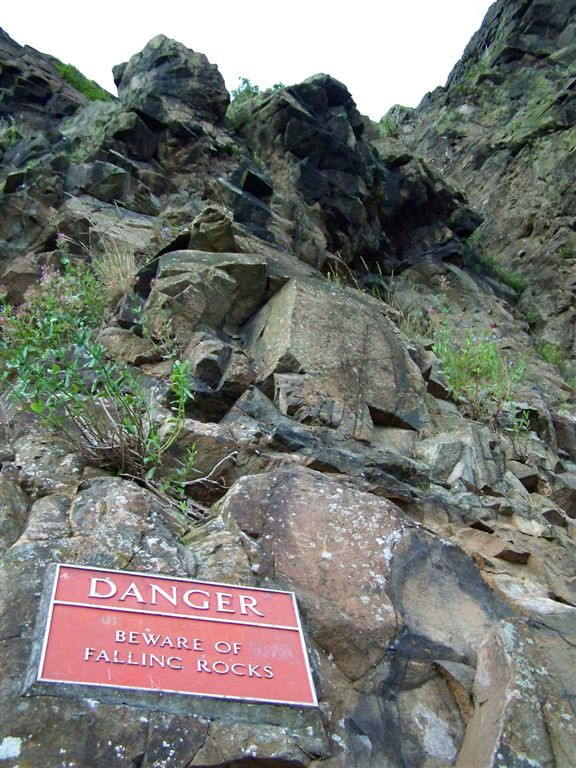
132, 630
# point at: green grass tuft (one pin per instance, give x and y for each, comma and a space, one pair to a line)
77, 80
550, 353
481, 379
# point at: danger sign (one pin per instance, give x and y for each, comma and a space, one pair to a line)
157, 633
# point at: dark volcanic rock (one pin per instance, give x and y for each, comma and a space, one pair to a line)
167, 83
31, 87
352, 197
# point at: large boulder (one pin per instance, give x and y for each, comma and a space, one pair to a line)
167, 83
385, 602
342, 345
197, 288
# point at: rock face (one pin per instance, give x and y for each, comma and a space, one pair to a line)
515, 720
354, 200
362, 366
303, 270
31, 85
167, 84
503, 128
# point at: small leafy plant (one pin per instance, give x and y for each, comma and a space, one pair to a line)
519, 422
245, 89
564, 252
54, 368
479, 376
481, 262
9, 133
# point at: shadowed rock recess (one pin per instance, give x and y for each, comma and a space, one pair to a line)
313, 270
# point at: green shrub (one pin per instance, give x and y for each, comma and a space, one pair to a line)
512, 279
54, 368
246, 90
239, 109
77, 80
565, 252
475, 258
479, 376
532, 316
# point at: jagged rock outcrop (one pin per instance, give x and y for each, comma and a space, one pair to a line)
429, 539
32, 86
167, 84
503, 128
315, 141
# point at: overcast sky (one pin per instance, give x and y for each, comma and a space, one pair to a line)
386, 52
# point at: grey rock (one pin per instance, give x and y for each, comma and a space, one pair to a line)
211, 230
14, 505
202, 288
462, 457
311, 546
168, 83
47, 465
319, 330
523, 714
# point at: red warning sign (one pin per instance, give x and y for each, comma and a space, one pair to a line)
140, 631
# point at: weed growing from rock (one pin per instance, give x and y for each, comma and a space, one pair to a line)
54, 368
565, 252
115, 267
241, 97
389, 126
9, 133
480, 378
481, 262
77, 80
550, 353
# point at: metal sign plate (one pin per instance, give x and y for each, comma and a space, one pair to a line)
156, 633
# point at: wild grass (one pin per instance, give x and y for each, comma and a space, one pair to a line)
480, 376
115, 266
551, 353
77, 80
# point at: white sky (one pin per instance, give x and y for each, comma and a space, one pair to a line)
386, 52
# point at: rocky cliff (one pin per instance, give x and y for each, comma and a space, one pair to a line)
504, 129
299, 370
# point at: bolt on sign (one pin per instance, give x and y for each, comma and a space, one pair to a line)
156, 633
